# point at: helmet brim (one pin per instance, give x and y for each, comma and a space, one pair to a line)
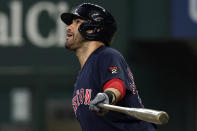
68, 18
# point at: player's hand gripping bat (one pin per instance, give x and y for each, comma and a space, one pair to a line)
149, 115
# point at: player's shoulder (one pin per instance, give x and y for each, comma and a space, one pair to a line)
110, 52
109, 56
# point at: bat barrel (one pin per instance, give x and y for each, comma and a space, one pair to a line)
163, 118
153, 116
149, 115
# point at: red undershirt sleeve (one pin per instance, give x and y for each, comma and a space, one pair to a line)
116, 84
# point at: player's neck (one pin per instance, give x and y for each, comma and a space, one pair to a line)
86, 50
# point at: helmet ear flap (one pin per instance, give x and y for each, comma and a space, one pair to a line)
90, 31
83, 30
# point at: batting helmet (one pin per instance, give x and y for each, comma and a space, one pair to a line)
98, 19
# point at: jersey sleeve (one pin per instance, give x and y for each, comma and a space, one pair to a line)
114, 66
111, 66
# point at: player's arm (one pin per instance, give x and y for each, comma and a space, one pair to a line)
113, 91
113, 95
117, 87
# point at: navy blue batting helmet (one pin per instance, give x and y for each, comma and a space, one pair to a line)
98, 19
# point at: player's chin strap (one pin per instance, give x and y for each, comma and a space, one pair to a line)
111, 96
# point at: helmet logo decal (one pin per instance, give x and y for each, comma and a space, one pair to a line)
96, 16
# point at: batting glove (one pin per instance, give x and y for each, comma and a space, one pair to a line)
100, 98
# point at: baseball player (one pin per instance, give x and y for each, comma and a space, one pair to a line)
105, 77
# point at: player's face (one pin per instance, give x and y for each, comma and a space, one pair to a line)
74, 38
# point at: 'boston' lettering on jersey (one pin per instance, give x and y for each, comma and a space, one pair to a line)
79, 98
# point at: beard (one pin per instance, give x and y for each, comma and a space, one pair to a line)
75, 42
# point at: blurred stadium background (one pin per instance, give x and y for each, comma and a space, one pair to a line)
157, 38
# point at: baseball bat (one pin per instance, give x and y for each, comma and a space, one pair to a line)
149, 115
